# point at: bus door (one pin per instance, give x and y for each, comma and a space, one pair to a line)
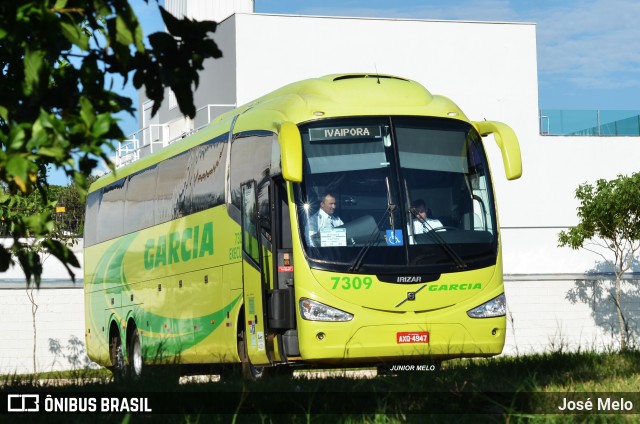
281, 308
254, 284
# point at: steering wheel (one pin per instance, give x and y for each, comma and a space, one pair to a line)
443, 228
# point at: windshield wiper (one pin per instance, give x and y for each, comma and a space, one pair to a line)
433, 234
375, 234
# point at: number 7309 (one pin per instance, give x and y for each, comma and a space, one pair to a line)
349, 283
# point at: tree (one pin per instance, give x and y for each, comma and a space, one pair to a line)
70, 209
609, 215
59, 60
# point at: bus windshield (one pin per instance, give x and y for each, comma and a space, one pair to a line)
380, 195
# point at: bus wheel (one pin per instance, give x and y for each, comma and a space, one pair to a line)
135, 355
118, 368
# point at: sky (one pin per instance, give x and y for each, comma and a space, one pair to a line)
588, 50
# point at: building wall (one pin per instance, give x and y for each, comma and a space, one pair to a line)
217, 87
553, 315
59, 330
56, 310
488, 69
215, 10
218, 82
535, 208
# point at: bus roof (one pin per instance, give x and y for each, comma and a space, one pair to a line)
316, 98
351, 94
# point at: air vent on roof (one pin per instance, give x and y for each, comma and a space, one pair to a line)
379, 77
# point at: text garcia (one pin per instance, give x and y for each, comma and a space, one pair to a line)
194, 242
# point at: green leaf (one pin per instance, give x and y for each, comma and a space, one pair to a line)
129, 32
124, 35
38, 134
52, 152
41, 224
17, 137
87, 113
75, 35
18, 167
102, 125
33, 60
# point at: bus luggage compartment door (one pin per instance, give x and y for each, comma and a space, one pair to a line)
253, 287
254, 323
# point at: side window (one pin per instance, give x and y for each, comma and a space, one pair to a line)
140, 200
249, 213
250, 160
284, 235
264, 209
91, 218
173, 199
190, 182
111, 214
207, 172
480, 192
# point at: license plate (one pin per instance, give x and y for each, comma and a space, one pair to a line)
412, 337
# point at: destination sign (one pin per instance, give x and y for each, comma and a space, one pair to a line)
342, 133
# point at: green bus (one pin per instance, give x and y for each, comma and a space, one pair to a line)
213, 251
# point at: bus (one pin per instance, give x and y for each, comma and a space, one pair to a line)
209, 251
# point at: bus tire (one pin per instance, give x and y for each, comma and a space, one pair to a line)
134, 351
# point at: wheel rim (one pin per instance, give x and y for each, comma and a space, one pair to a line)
119, 360
136, 355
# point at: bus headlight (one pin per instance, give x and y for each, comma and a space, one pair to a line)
496, 307
316, 311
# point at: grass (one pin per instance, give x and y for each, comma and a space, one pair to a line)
503, 389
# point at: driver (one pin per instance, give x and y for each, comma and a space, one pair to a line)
326, 217
421, 219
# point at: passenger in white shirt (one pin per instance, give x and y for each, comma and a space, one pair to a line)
326, 217
422, 224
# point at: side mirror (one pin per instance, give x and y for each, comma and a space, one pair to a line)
291, 148
508, 143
